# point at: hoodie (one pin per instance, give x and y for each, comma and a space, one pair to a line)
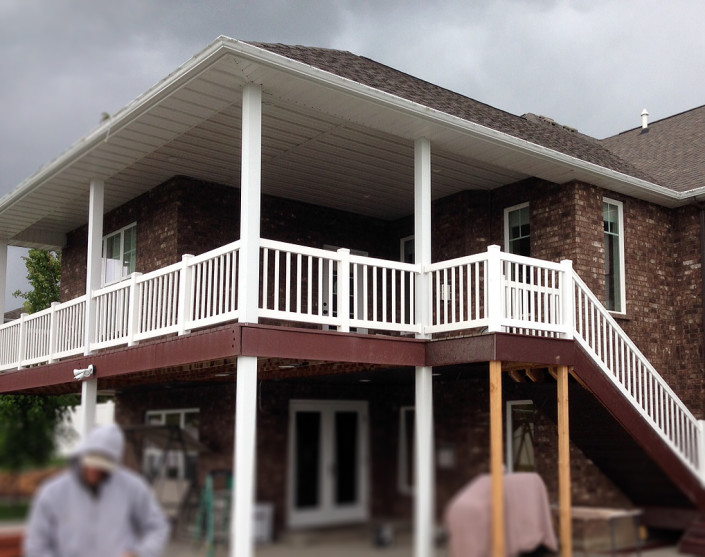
67, 519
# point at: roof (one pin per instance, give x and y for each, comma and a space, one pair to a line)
672, 149
338, 131
379, 76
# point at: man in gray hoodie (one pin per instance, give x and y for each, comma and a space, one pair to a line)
96, 508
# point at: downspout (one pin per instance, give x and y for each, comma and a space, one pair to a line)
701, 208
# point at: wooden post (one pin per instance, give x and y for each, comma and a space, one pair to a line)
566, 526
496, 463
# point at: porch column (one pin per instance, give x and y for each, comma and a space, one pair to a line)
89, 399
3, 279
250, 202
241, 539
496, 463
425, 496
564, 498
93, 258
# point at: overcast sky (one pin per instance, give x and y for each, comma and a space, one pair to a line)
589, 64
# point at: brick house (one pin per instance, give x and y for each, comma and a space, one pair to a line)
314, 262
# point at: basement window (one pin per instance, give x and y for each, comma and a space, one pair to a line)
517, 230
520, 436
407, 430
613, 219
119, 254
173, 464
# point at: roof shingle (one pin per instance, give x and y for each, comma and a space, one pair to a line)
672, 150
387, 79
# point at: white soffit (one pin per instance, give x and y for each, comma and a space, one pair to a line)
326, 140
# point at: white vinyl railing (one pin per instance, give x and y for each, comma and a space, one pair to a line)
632, 373
491, 291
336, 289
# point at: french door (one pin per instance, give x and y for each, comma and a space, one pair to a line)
328, 464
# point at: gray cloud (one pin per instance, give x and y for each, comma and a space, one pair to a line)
591, 64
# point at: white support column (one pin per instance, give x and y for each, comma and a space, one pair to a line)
250, 203
241, 535
424, 502
93, 259
422, 229
86, 412
3, 279
242, 543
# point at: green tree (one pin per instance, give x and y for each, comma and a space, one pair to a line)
30, 424
29, 427
44, 275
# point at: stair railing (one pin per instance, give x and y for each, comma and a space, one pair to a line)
634, 376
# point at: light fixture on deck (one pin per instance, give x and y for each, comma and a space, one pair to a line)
84, 373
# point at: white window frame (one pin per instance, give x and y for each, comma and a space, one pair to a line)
402, 242
508, 210
623, 271
103, 263
405, 480
158, 452
509, 432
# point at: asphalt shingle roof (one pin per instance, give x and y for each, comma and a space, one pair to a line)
387, 79
672, 150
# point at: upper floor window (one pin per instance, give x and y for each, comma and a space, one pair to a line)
614, 254
407, 248
119, 254
517, 230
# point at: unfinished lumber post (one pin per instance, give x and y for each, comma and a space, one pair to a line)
496, 462
564, 498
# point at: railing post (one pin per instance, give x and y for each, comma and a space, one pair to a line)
133, 314
23, 340
494, 284
701, 450
343, 294
185, 289
567, 298
53, 332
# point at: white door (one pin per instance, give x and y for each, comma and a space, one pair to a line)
328, 464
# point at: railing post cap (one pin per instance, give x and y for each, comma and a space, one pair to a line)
344, 251
186, 256
54, 304
567, 262
494, 247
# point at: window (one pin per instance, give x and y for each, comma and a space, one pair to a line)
119, 254
405, 476
517, 230
407, 250
614, 255
407, 254
174, 464
520, 436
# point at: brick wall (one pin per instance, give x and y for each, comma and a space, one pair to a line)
461, 423
188, 216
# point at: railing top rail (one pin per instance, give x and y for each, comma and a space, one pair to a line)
303, 250
121, 285
385, 263
465, 260
232, 246
633, 347
530, 261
